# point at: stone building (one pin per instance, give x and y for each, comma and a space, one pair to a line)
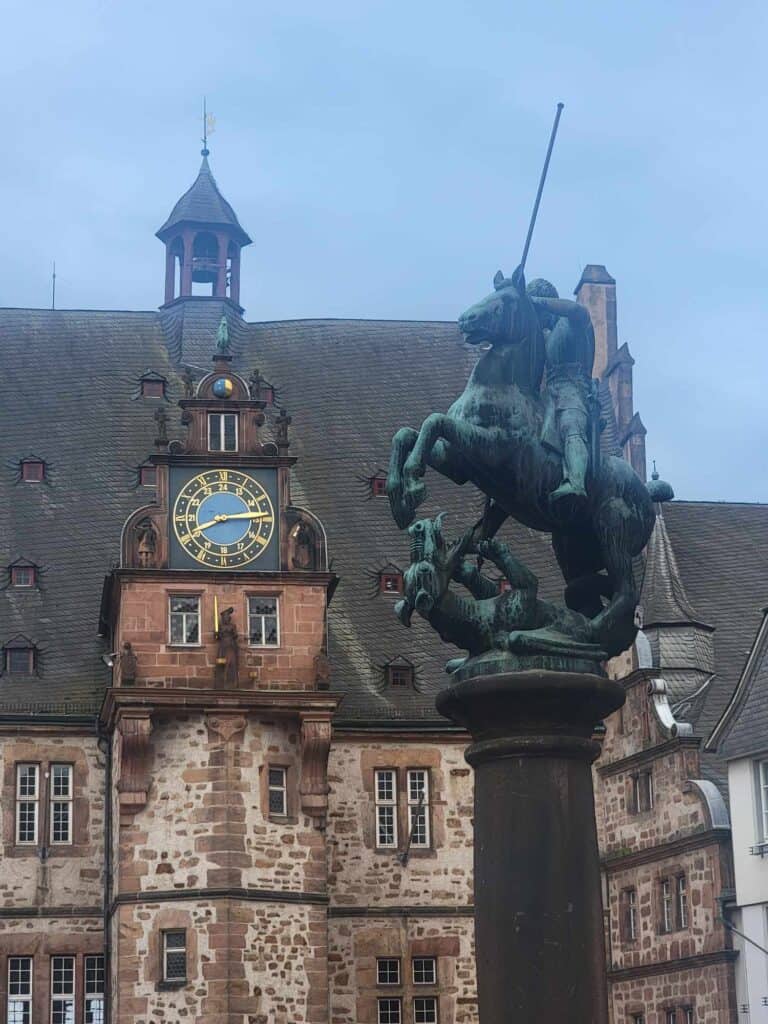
227, 794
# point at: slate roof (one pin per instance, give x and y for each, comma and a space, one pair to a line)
69, 393
743, 729
203, 203
663, 596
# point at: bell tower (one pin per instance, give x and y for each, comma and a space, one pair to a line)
203, 239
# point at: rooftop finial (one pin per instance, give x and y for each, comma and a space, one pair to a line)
209, 127
655, 473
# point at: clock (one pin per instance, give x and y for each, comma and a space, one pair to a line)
223, 519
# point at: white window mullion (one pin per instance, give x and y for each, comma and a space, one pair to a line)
385, 796
27, 803
61, 803
19, 990
62, 990
418, 807
94, 990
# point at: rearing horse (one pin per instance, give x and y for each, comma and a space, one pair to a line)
491, 437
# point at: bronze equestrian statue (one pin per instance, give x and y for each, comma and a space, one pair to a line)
534, 455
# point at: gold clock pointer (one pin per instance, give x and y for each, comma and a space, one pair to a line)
224, 516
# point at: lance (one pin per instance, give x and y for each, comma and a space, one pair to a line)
540, 189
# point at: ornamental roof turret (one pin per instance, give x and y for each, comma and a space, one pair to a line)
204, 205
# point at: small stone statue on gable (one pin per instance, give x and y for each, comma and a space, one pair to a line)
282, 423
189, 383
161, 419
222, 338
146, 549
227, 658
129, 665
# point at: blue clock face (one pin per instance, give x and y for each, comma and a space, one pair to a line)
223, 518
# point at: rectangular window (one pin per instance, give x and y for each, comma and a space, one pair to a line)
175, 955
418, 807
22, 576
33, 471
424, 970
19, 989
638, 1018
222, 432
688, 1015
388, 971
184, 620
642, 792
762, 780
671, 1017
666, 905
390, 1011
278, 791
20, 661
148, 476
385, 783
27, 802
61, 803
62, 990
263, 622
630, 912
425, 1010
682, 902
94, 990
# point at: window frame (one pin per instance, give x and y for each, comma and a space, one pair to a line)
67, 997
147, 469
166, 950
424, 959
761, 783
66, 801
681, 900
16, 997
378, 484
189, 597
148, 384
25, 799
419, 1013
17, 570
394, 1002
630, 920
31, 653
26, 474
642, 797
388, 804
670, 1015
222, 414
405, 671
388, 960
391, 577
283, 790
413, 809
94, 994
667, 898
249, 616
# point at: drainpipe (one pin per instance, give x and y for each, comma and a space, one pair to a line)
105, 745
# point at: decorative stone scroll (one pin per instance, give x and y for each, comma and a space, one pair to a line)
313, 786
135, 727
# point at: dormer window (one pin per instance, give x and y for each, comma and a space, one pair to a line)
23, 575
391, 582
32, 471
378, 485
504, 585
152, 389
147, 476
399, 673
222, 432
19, 658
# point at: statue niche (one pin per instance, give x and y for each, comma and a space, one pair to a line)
144, 543
306, 542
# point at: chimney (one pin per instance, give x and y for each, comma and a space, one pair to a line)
597, 291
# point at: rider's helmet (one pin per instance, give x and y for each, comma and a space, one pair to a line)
540, 287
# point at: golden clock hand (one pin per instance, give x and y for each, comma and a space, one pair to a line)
204, 526
222, 517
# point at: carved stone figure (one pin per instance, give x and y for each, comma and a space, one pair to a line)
146, 548
129, 665
222, 337
282, 423
189, 383
492, 436
302, 547
161, 418
227, 660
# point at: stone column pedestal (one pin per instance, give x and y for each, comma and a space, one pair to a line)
540, 947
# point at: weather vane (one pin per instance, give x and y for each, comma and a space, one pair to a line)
209, 127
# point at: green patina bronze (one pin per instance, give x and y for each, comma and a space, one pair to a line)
526, 432
222, 337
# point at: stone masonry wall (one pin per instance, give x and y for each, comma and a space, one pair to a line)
248, 963
355, 944
709, 991
143, 621
71, 875
361, 875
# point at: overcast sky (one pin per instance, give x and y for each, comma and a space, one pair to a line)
384, 155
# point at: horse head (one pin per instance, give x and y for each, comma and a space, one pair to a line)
433, 563
506, 316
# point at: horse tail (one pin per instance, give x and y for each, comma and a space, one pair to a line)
660, 491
